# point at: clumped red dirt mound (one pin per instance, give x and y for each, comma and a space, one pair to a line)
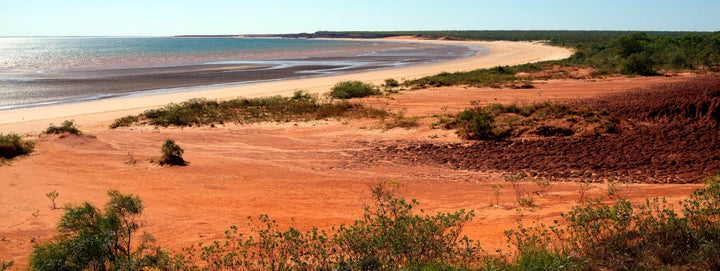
670, 135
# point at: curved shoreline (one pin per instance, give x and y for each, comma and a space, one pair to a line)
97, 114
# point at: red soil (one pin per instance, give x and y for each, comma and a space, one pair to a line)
301, 174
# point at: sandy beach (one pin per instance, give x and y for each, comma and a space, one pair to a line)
302, 174
99, 113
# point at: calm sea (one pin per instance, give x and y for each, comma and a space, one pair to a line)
38, 71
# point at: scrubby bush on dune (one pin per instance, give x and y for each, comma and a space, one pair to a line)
498, 121
302, 106
353, 89
624, 235
68, 126
12, 145
172, 154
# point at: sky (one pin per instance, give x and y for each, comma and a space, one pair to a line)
209, 17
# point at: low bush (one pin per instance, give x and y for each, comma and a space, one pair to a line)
92, 239
628, 236
12, 145
172, 154
391, 83
353, 89
301, 106
68, 126
390, 236
498, 121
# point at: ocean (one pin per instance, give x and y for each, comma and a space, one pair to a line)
50, 70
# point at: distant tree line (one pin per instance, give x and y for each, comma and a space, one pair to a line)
639, 53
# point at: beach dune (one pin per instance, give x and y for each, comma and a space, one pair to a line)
97, 114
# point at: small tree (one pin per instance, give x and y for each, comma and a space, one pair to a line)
172, 154
91, 239
53, 196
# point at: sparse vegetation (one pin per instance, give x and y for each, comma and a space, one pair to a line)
6, 265
172, 154
12, 145
68, 126
627, 236
498, 122
523, 198
91, 239
196, 112
393, 235
400, 120
53, 195
353, 89
390, 236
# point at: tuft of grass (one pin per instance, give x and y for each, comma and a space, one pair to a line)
302, 106
67, 126
353, 89
399, 120
12, 145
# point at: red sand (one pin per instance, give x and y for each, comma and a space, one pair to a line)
301, 174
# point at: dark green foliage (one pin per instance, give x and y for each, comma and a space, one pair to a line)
476, 125
391, 83
91, 239
627, 236
498, 121
12, 145
390, 236
483, 77
68, 126
353, 89
172, 154
196, 112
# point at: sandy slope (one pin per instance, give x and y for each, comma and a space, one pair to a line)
96, 114
301, 174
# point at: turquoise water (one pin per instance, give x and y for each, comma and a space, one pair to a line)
49, 70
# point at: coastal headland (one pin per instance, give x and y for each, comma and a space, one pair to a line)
302, 174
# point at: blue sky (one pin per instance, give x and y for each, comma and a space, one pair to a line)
175, 17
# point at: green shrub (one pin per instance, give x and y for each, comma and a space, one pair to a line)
390, 236
476, 125
353, 89
301, 106
91, 239
391, 83
12, 145
68, 126
172, 154
627, 236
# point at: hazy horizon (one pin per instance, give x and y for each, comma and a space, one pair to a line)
162, 18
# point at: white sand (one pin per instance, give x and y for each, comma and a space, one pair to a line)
97, 114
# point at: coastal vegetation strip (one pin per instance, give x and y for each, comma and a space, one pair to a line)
302, 106
393, 234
